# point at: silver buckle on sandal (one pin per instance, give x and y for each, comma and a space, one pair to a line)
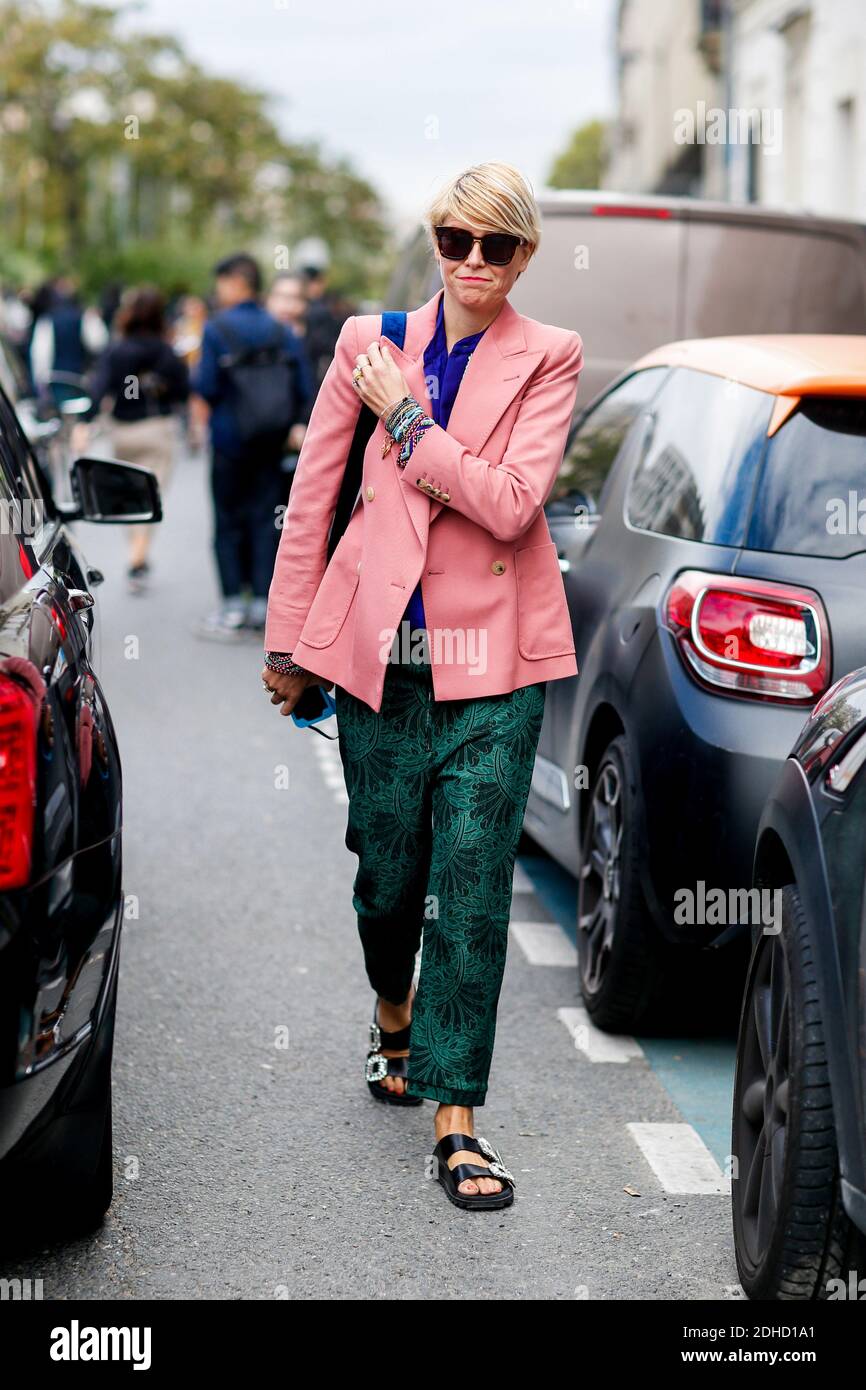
497, 1167
377, 1067
375, 1036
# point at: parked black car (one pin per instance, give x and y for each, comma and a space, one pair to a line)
712, 601
61, 897
799, 1118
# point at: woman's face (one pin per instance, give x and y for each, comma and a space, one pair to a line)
474, 283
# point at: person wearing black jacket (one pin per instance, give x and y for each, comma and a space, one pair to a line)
142, 380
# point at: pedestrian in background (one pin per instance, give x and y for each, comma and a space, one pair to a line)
143, 381
66, 335
255, 378
324, 321
187, 331
287, 302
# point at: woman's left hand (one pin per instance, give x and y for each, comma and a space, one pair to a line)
383, 384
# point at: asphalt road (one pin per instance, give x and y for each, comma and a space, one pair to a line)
245, 1169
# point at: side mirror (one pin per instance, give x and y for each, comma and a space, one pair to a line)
107, 491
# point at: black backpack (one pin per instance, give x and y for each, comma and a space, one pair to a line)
262, 384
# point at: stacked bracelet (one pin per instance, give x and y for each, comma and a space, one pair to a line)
405, 423
282, 663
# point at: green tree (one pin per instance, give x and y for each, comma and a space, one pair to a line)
581, 163
118, 151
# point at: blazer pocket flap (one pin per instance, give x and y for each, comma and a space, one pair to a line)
543, 620
333, 598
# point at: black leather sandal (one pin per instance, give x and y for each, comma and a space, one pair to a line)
451, 1178
378, 1067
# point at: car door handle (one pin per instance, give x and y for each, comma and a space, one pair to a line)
79, 600
564, 564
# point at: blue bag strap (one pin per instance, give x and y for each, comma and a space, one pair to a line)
394, 326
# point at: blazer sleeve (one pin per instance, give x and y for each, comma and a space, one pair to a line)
302, 552
505, 498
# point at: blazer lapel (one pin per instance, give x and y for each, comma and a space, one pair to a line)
498, 368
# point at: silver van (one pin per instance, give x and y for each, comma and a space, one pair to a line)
629, 273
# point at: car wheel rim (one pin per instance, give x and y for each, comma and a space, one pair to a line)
763, 1098
600, 877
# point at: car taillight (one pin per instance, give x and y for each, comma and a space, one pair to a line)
751, 637
17, 784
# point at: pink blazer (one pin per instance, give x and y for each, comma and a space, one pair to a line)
465, 517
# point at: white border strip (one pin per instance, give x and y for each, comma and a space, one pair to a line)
680, 1159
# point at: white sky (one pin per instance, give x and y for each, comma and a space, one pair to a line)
411, 93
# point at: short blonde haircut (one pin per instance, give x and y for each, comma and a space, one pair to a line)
493, 196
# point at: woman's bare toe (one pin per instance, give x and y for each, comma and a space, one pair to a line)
393, 1017
472, 1186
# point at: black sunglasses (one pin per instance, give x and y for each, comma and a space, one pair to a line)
497, 248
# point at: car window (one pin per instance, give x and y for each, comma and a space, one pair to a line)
699, 460
811, 499
18, 522
598, 439
13, 377
28, 485
27, 473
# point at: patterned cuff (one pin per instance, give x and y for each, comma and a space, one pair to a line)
282, 663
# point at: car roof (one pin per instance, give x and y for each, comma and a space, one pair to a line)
558, 201
783, 364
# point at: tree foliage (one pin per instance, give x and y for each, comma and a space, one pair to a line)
114, 144
581, 163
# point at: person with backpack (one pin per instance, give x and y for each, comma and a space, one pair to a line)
438, 620
144, 380
256, 380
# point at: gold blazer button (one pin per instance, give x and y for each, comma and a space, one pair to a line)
498, 566
370, 494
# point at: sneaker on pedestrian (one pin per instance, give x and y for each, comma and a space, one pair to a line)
226, 623
137, 576
257, 614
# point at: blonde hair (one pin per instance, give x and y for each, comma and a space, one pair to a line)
492, 195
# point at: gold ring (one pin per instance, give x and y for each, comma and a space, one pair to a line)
357, 374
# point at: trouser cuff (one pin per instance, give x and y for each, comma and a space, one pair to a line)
446, 1095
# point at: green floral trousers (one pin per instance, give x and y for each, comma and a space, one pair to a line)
437, 791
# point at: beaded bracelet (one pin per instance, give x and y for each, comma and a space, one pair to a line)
282, 663
398, 423
405, 423
415, 431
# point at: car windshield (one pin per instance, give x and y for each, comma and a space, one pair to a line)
811, 499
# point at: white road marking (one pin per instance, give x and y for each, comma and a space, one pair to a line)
680, 1159
544, 943
331, 768
596, 1045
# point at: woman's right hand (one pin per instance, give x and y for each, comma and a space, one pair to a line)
287, 690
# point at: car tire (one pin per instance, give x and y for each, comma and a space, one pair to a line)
791, 1232
625, 966
62, 1184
